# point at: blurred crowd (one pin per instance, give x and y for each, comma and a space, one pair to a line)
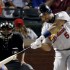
55, 5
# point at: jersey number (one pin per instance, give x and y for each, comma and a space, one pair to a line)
66, 35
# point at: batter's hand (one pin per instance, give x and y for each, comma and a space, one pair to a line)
37, 43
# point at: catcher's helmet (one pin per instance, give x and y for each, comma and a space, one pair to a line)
6, 25
44, 8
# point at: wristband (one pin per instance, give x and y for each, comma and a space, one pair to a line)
47, 33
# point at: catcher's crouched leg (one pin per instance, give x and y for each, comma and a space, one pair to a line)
26, 66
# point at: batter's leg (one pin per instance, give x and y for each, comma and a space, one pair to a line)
59, 63
68, 63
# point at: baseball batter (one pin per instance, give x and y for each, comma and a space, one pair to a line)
61, 39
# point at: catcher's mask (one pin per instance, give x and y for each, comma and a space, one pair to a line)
6, 28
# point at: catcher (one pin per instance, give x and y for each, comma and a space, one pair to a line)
10, 43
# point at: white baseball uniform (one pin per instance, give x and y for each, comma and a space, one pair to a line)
61, 44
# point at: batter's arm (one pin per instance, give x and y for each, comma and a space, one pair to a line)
57, 25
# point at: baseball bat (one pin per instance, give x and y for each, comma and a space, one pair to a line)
13, 57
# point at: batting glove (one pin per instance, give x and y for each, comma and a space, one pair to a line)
37, 43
